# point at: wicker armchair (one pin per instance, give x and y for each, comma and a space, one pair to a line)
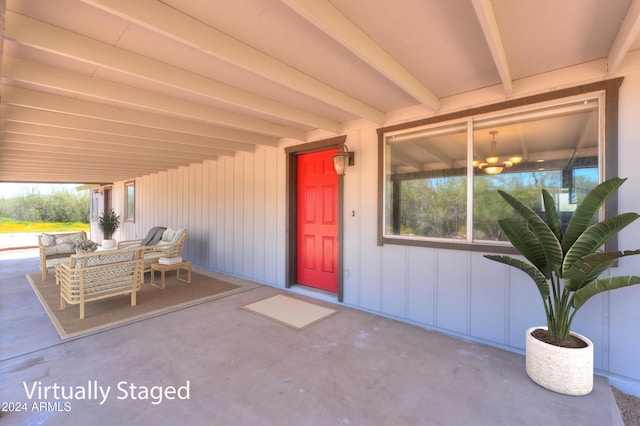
171, 245
57, 248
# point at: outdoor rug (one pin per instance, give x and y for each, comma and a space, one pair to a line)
291, 312
116, 311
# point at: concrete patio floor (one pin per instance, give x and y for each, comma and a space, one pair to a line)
353, 368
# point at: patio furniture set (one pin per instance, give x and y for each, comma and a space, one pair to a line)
85, 277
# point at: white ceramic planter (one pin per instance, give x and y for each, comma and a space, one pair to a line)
564, 370
108, 244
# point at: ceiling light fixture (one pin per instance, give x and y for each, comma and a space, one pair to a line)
492, 164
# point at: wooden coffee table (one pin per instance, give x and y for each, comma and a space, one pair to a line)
186, 265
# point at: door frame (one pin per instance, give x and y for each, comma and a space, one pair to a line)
291, 247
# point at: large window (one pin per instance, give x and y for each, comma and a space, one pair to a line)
426, 186
440, 178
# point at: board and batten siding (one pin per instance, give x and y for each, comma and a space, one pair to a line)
235, 210
230, 208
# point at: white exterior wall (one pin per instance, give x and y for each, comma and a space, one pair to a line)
233, 208
624, 315
235, 211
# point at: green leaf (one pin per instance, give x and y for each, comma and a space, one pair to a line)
600, 285
532, 271
550, 244
525, 242
551, 211
595, 236
590, 267
587, 209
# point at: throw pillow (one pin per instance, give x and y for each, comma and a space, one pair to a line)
178, 234
69, 238
48, 240
168, 235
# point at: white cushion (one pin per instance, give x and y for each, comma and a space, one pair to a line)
168, 235
60, 243
69, 238
66, 247
48, 240
179, 233
173, 235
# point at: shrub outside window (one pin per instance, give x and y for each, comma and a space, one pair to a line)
426, 188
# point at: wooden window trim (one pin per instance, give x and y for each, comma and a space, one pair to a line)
611, 89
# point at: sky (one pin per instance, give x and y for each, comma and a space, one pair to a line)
10, 190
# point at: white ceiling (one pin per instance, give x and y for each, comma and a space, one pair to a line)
106, 90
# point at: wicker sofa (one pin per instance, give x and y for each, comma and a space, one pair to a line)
171, 245
99, 275
56, 248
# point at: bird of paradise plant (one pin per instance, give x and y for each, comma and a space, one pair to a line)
566, 266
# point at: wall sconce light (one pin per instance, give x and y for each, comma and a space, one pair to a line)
342, 159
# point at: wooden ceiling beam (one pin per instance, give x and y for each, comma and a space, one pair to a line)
46, 166
627, 33
137, 99
72, 148
332, 22
192, 144
64, 177
19, 97
50, 132
50, 38
130, 123
489, 24
164, 19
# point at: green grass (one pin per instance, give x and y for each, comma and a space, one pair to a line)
8, 226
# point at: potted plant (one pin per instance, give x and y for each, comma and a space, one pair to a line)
108, 222
565, 267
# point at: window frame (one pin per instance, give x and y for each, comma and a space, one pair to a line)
609, 163
127, 185
95, 204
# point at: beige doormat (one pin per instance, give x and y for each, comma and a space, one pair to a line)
289, 311
116, 311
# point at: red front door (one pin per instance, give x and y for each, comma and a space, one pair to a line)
317, 230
